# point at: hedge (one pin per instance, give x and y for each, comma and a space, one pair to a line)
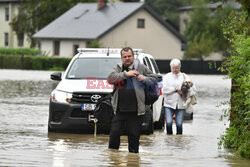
33, 62
19, 51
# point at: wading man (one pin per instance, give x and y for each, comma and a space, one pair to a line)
128, 100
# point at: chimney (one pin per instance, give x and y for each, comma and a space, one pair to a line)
101, 4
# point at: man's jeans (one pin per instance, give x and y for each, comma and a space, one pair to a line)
179, 115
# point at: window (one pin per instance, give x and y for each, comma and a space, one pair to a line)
39, 45
140, 23
144, 62
56, 48
155, 65
7, 16
147, 63
75, 47
20, 39
185, 22
6, 39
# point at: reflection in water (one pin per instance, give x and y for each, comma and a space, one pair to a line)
81, 148
59, 148
23, 89
24, 140
119, 158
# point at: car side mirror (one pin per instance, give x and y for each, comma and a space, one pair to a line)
56, 76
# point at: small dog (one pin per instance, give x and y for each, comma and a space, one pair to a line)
186, 85
189, 101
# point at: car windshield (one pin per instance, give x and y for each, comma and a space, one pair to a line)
100, 68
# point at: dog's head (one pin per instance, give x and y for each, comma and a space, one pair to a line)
188, 83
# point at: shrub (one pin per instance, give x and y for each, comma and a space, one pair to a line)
13, 62
19, 51
33, 62
237, 65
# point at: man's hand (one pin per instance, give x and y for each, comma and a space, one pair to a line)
132, 73
178, 91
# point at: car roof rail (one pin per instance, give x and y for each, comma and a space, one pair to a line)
137, 51
104, 50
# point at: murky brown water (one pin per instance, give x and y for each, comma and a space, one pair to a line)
24, 140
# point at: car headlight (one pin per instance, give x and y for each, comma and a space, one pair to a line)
60, 96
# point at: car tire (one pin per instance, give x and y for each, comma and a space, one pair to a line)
191, 116
50, 129
160, 124
188, 116
148, 127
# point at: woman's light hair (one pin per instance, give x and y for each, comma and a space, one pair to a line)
175, 62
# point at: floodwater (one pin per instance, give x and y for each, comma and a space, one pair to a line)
24, 140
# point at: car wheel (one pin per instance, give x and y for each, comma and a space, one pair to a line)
50, 129
148, 126
188, 116
160, 124
191, 116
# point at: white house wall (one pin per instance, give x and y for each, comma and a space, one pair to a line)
46, 47
184, 20
66, 47
154, 39
6, 28
4, 25
214, 56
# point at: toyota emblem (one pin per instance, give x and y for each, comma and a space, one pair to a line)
95, 98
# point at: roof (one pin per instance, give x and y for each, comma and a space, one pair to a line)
85, 21
210, 6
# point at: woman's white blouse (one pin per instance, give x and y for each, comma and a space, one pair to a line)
171, 82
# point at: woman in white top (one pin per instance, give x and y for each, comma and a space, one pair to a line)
173, 101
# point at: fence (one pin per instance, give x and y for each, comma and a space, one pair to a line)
192, 67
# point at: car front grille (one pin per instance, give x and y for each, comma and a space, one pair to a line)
79, 97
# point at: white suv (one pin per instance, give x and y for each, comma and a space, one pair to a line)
84, 82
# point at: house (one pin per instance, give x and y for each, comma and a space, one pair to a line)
185, 19
8, 38
114, 25
186, 10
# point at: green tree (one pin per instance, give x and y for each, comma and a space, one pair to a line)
237, 65
168, 9
245, 6
94, 44
130, 0
204, 32
236, 31
36, 14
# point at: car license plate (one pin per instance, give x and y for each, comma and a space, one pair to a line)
88, 107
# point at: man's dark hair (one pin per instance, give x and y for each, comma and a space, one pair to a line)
126, 49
